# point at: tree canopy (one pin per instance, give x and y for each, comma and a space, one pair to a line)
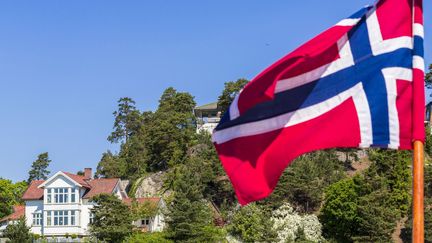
39, 169
112, 219
10, 195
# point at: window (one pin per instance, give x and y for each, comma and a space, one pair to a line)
49, 195
37, 219
145, 222
91, 217
73, 193
49, 218
61, 218
72, 218
61, 195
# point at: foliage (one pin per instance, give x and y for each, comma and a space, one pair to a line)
366, 207
375, 221
157, 237
39, 169
18, 232
339, 213
303, 183
406, 233
251, 224
428, 78
216, 185
145, 209
111, 166
10, 195
391, 169
171, 130
112, 219
189, 217
230, 91
127, 121
428, 140
291, 226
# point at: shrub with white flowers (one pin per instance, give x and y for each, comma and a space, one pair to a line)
288, 223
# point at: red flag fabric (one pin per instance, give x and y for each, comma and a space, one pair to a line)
358, 84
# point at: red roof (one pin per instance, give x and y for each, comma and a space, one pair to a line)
128, 201
93, 186
100, 186
18, 212
78, 179
33, 192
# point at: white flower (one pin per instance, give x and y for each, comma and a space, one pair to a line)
287, 223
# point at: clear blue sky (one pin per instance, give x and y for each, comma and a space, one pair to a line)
64, 64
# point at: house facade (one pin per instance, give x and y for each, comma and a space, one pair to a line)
61, 205
208, 117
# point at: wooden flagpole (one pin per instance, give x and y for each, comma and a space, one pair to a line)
418, 193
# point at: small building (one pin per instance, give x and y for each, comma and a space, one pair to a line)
208, 117
154, 222
61, 205
428, 117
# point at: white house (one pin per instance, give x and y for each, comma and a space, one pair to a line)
208, 117
60, 205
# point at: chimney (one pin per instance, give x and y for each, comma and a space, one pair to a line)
87, 173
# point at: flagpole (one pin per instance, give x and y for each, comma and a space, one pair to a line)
418, 193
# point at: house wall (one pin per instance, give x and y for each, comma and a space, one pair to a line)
31, 207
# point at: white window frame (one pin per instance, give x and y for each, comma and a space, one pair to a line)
61, 195
37, 219
49, 195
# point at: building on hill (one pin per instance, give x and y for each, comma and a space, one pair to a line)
208, 117
60, 206
428, 116
149, 224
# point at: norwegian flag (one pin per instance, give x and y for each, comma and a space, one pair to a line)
358, 84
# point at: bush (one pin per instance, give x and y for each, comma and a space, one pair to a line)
250, 224
291, 226
157, 237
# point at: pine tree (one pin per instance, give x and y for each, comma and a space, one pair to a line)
189, 217
18, 232
112, 219
39, 169
127, 121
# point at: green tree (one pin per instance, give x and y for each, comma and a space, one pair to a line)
189, 217
339, 213
376, 222
303, 183
366, 207
428, 140
111, 166
10, 195
231, 89
251, 224
157, 237
406, 233
112, 219
391, 169
171, 130
216, 185
127, 121
18, 232
428, 77
39, 169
